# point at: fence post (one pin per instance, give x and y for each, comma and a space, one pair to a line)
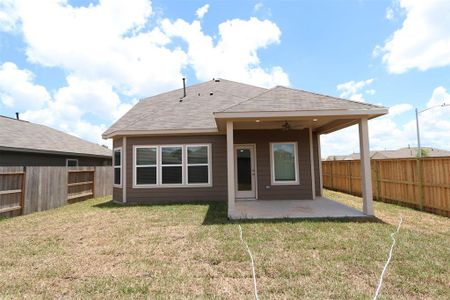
420, 175
331, 175
377, 178
93, 182
22, 195
350, 179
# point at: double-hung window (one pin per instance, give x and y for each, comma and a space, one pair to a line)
117, 163
146, 160
198, 166
171, 165
284, 163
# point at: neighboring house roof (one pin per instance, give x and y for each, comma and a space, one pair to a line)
409, 152
196, 112
19, 135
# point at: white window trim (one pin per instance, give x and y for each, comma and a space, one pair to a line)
114, 166
184, 165
209, 165
135, 166
69, 159
272, 169
161, 166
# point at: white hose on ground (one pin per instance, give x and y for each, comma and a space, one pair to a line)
253, 263
377, 292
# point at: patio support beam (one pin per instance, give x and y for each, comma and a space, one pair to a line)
230, 169
366, 180
319, 154
311, 160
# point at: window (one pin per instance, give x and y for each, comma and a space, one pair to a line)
284, 163
71, 162
146, 165
197, 164
172, 165
117, 163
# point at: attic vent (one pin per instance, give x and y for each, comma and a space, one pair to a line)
216, 80
211, 93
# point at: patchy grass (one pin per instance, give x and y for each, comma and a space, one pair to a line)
96, 249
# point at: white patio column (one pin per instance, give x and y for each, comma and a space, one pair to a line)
311, 160
366, 180
319, 154
230, 169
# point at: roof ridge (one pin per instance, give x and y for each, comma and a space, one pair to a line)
194, 85
14, 119
149, 98
251, 98
329, 96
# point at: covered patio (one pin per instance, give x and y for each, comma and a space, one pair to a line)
283, 115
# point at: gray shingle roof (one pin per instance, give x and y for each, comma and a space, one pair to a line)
195, 111
18, 134
282, 98
166, 112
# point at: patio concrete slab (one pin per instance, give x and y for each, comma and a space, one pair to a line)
278, 209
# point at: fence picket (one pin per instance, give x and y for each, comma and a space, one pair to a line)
401, 181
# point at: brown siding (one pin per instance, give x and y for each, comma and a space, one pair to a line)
262, 139
13, 158
316, 163
218, 192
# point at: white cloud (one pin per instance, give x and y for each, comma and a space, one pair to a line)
399, 109
107, 41
224, 58
423, 41
18, 90
109, 50
387, 133
258, 6
202, 11
354, 90
390, 13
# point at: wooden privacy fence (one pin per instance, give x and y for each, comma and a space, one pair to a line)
420, 183
24, 190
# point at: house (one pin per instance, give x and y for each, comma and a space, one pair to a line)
258, 149
409, 152
24, 143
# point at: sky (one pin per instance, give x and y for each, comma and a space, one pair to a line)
78, 66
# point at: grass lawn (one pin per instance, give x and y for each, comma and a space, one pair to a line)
96, 249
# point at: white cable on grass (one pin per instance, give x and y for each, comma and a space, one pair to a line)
253, 262
389, 259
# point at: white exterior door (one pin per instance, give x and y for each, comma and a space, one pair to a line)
245, 171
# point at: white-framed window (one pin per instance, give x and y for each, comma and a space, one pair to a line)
146, 165
117, 164
198, 164
284, 163
71, 162
172, 165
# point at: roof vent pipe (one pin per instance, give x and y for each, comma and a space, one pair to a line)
184, 87
17, 116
